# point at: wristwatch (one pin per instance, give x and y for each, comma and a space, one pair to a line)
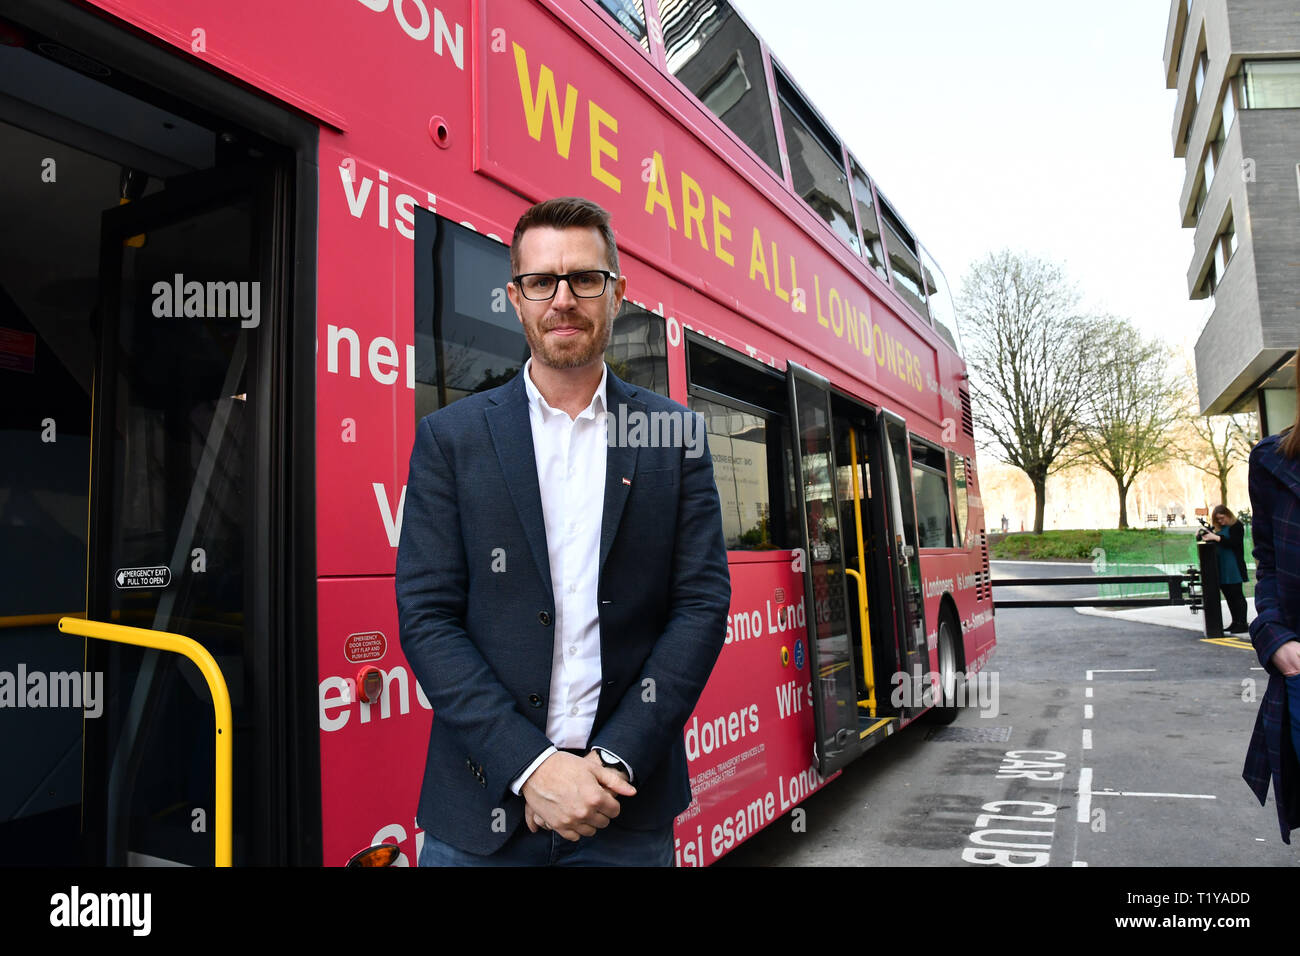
612, 763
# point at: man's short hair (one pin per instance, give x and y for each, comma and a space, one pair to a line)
566, 212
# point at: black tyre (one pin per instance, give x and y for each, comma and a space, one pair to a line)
945, 711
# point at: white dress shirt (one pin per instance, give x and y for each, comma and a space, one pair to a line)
571, 455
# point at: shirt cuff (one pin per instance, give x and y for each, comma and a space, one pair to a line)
610, 755
518, 783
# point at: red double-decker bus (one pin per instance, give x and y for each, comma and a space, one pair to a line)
251, 244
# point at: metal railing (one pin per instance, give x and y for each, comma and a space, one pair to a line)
222, 816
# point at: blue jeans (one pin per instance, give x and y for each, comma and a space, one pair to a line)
612, 846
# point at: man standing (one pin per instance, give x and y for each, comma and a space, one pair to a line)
562, 597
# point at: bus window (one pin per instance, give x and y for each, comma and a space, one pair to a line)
717, 57
744, 426
630, 15
902, 259
959, 495
930, 485
816, 161
939, 299
467, 335
871, 247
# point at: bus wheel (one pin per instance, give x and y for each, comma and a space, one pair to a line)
945, 712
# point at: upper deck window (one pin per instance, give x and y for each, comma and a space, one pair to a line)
903, 261
717, 57
816, 161
939, 299
872, 249
630, 15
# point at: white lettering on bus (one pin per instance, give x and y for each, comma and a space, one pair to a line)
789, 700
413, 17
720, 731
382, 360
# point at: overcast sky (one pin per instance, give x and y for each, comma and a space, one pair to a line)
1035, 125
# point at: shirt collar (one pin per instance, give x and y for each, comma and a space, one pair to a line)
537, 403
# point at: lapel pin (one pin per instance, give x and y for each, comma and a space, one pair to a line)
627, 481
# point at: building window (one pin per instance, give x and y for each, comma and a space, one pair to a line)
1208, 163
1272, 85
816, 161
1225, 244
717, 57
872, 250
1202, 68
1228, 112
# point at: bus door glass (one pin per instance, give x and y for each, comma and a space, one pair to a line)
830, 643
178, 442
900, 515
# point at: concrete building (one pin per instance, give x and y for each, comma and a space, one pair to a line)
1236, 67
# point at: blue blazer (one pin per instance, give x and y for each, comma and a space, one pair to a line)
1275, 516
480, 640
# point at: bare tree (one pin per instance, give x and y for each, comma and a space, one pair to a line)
1133, 405
1214, 444
1025, 348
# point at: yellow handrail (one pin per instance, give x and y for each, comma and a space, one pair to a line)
222, 822
868, 665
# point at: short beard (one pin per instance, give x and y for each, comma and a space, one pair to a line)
567, 360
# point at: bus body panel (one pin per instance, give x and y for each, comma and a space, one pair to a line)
736, 257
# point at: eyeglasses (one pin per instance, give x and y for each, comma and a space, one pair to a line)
541, 286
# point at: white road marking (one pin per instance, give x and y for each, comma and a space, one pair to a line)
1087, 692
1122, 670
1087, 740
1085, 795
1078, 863
1138, 793
1087, 711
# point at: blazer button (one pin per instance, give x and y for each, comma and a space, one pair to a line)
544, 617
534, 700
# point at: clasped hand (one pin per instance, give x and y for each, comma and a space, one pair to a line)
573, 796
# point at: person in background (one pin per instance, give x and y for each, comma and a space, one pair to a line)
1231, 537
1275, 506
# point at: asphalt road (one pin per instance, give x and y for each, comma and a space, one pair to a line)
1113, 744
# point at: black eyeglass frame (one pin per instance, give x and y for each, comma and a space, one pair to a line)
518, 281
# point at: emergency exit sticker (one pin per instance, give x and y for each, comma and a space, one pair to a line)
128, 578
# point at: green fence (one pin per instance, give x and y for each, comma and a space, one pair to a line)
1153, 552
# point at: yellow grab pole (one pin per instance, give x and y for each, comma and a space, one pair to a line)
868, 666
222, 823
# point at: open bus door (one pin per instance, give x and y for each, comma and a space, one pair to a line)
830, 643
181, 507
900, 520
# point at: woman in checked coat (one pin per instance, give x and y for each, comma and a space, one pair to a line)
1275, 501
